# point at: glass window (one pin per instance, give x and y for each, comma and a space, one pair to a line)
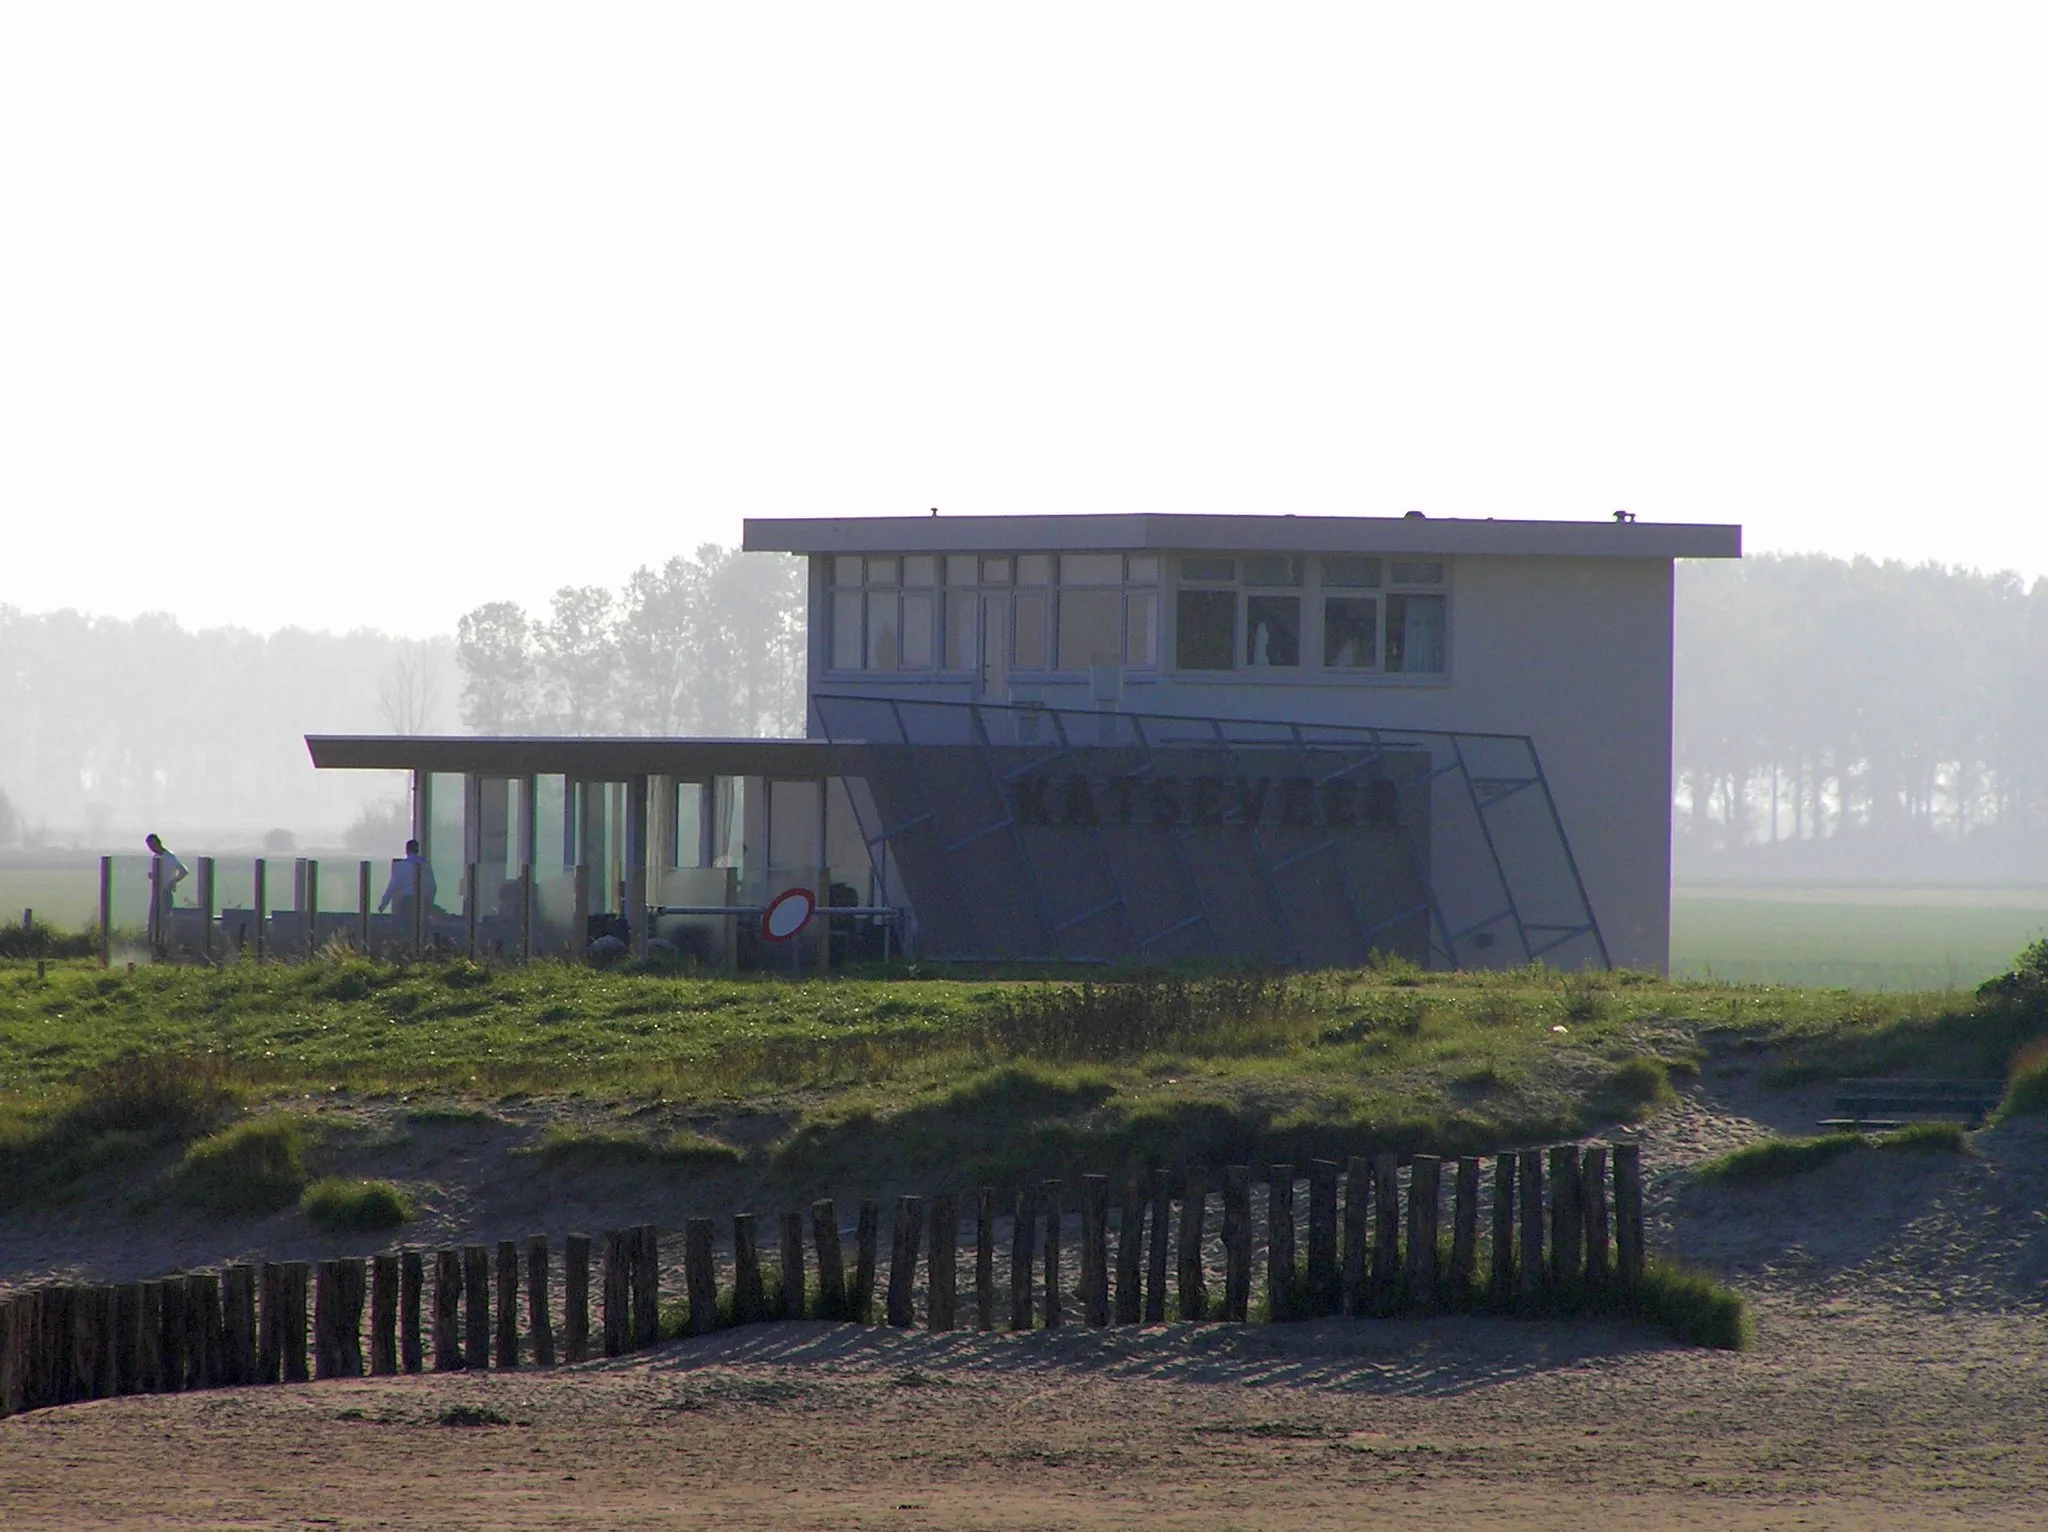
1346, 571
995, 571
1272, 631
1141, 628
917, 631
846, 640
1034, 569
1418, 574
1028, 626
1205, 629
1208, 568
1144, 569
881, 571
1091, 568
1415, 634
1351, 631
920, 569
1091, 626
1272, 569
846, 571
963, 651
960, 569
883, 648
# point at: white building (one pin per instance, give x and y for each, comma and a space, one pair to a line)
1559, 632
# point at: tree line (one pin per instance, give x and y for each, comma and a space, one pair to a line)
1832, 716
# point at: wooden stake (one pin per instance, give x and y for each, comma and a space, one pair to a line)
1593, 1214
940, 1261
1162, 1236
1023, 1255
646, 1284
175, 1338
985, 1260
1280, 1294
1386, 1246
576, 1298
1464, 1232
1565, 1241
831, 1260
1049, 1204
1501, 1270
1095, 1250
747, 1302
1531, 1269
384, 1316
506, 1347
326, 1299
1357, 1232
700, 1275
1325, 1279
238, 1326
355, 1289
411, 1278
128, 1377
903, 1259
540, 1322
617, 1300
791, 1249
448, 1311
1130, 1252
1628, 1215
1193, 1294
476, 1307
867, 1231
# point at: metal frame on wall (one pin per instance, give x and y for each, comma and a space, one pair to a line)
1475, 872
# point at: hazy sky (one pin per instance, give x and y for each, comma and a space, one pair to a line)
363, 315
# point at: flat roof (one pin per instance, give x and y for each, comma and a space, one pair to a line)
592, 759
1166, 533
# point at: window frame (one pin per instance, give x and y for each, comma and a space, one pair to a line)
1313, 666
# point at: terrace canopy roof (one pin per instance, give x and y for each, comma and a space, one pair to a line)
586, 759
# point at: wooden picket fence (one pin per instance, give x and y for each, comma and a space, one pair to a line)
1565, 1221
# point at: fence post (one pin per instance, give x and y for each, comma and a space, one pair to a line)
867, 1230
202, 1304
1130, 1252
576, 1298
1162, 1242
176, 1337
746, 1272
507, 1346
1530, 1255
1501, 1270
363, 906
106, 912
1325, 1284
150, 1366
941, 1260
1023, 1255
1050, 1207
1280, 1243
1464, 1231
1357, 1235
10, 1367
238, 1325
985, 1259
476, 1307
326, 1300
355, 1289
411, 1278
903, 1259
646, 1286
128, 1377
1386, 1248
1628, 1215
297, 1277
831, 1259
448, 1311
700, 1275
790, 1248
1194, 1202
309, 907
1564, 1217
1425, 1203
539, 1320
1095, 1250
383, 1316
261, 912
1593, 1214
618, 1323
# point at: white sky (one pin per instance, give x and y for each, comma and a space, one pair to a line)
362, 315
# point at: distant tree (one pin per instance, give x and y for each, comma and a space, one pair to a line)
409, 693
494, 647
661, 645
578, 656
279, 842
10, 822
381, 827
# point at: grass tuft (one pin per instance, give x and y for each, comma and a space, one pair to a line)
562, 1144
249, 1169
342, 1206
1779, 1159
2026, 1089
1636, 1088
1694, 1308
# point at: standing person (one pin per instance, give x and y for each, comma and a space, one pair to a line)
166, 872
411, 888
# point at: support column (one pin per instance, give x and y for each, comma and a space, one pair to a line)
636, 864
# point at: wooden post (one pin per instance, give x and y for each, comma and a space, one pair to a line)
941, 1260
10, 1359
383, 1316
1130, 1252
1280, 1295
617, 1296
1529, 1257
791, 1249
700, 1275
1425, 1201
202, 1306
355, 1289
1193, 1292
1023, 1255
647, 1288
87, 1343
540, 1322
260, 915
1628, 1215
106, 912
1501, 1269
507, 1337
1464, 1232
1162, 1242
363, 924
1237, 1242
1593, 1214
326, 1348
448, 1311
110, 1308
128, 1377
831, 1260
1386, 1246
176, 1339
1095, 1250
297, 1277
1325, 1281
151, 1368
747, 1303
269, 1330
476, 1307
238, 1326
1049, 1206
985, 1260
903, 1259
411, 1278
866, 1232
576, 1298
1357, 1235
1564, 1217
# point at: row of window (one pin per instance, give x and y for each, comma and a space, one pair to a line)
1069, 612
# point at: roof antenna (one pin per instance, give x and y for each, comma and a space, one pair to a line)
935, 510
1621, 516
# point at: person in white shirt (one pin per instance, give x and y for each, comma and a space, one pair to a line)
412, 883
166, 872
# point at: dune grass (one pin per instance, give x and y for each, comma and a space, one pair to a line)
250, 1168
560, 1143
1778, 1159
339, 1205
